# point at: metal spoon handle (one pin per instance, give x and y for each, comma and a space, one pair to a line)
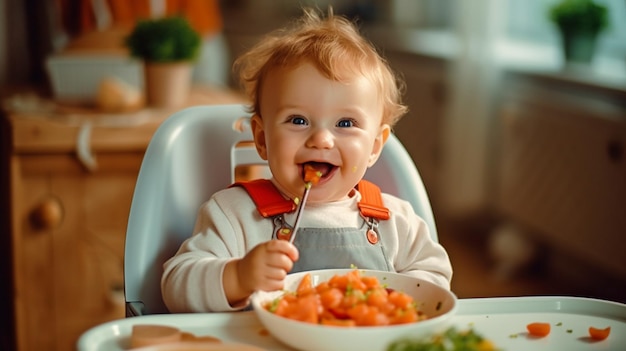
296, 223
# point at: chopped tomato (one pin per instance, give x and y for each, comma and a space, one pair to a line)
599, 334
538, 329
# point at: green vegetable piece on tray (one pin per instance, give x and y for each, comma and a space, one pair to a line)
451, 340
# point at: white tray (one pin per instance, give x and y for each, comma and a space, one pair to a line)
502, 320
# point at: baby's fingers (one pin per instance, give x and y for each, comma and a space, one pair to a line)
284, 247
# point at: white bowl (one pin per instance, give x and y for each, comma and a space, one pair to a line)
437, 303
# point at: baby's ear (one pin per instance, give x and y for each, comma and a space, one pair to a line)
379, 143
258, 133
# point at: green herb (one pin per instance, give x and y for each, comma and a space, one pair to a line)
451, 340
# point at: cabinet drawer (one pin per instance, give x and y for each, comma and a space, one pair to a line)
562, 172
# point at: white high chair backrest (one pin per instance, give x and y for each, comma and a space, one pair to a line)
192, 155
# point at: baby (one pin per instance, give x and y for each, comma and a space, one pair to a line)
323, 99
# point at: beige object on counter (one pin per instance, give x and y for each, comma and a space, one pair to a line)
77, 71
115, 95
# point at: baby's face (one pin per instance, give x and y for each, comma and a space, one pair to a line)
309, 119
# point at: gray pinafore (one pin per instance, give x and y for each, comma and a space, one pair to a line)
322, 248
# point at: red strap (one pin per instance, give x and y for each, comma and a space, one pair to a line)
269, 201
371, 204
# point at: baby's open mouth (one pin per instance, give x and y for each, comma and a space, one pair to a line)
324, 168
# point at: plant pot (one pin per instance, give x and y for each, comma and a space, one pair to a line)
579, 47
168, 84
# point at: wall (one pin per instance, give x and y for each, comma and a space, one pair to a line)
13, 44
3, 42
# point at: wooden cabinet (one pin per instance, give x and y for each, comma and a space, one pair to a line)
67, 218
561, 170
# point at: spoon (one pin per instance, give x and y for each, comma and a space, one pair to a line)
311, 176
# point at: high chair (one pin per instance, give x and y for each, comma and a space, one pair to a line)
193, 154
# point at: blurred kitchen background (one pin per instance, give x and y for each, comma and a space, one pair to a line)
522, 153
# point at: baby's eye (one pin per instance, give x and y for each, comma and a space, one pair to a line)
346, 123
299, 120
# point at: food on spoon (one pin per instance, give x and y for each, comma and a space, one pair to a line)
539, 329
346, 300
599, 334
311, 175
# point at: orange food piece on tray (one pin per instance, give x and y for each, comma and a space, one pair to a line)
599, 334
538, 329
311, 174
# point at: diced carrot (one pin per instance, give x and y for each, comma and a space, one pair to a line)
346, 300
400, 300
378, 298
305, 287
339, 312
323, 286
538, 329
304, 310
331, 298
350, 300
404, 316
339, 281
311, 174
363, 314
355, 281
370, 282
599, 334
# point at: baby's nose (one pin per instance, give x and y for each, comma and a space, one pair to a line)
321, 138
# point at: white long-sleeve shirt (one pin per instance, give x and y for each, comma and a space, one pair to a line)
229, 225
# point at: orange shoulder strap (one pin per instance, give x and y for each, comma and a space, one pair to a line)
371, 204
269, 202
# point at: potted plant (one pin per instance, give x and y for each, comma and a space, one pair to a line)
168, 46
579, 22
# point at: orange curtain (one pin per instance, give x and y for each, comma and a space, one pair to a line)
203, 15
78, 16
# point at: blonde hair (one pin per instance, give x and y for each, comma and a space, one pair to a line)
334, 45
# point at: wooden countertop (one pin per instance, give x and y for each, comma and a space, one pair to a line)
44, 126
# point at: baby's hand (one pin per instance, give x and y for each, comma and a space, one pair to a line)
265, 266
